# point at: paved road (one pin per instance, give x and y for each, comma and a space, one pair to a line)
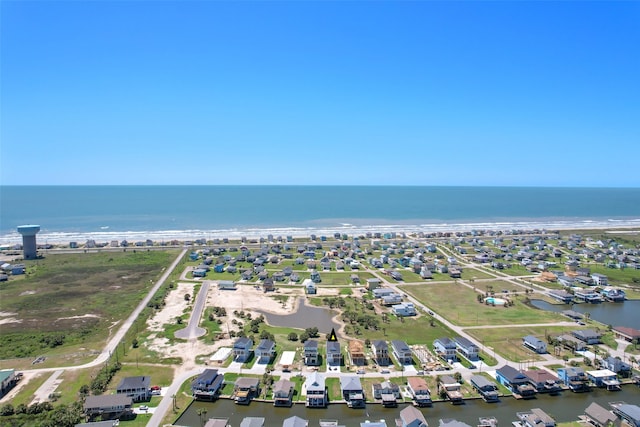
193, 330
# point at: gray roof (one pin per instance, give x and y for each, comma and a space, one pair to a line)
350, 382
134, 383
295, 421
465, 343
448, 422
333, 347
252, 422
311, 344
217, 422
107, 400
400, 346
110, 423
481, 381
599, 414
265, 345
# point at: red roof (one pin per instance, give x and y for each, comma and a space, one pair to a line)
633, 333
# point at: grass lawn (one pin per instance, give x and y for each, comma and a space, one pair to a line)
68, 302
459, 305
507, 341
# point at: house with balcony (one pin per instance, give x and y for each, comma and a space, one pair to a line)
516, 382
487, 389
410, 416
245, 389
380, 350
599, 416
402, 352
588, 336
387, 392
574, 378
242, 349
419, 391
352, 391
316, 391
445, 348
137, 388
536, 417
334, 353
604, 378
311, 353
283, 392
543, 381
265, 351
451, 388
108, 406
466, 348
616, 365
207, 385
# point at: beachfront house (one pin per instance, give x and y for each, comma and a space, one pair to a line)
351, 390
419, 391
487, 389
380, 350
108, 406
574, 378
137, 388
283, 392
334, 353
356, 353
515, 381
311, 353
588, 336
316, 391
534, 344
265, 350
402, 352
207, 385
411, 417
445, 348
466, 348
242, 349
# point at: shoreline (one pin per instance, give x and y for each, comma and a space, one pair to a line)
370, 231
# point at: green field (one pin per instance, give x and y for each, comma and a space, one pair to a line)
67, 302
459, 304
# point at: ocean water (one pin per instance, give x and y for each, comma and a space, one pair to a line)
104, 213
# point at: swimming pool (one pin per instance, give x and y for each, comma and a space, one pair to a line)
495, 301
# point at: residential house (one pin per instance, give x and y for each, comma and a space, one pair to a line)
295, 421
419, 391
108, 406
8, 379
380, 350
404, 309
242, 349
534, 344
543, 381
207, 385
445, 348
356, 353
599, 279
217, 422
449, 386
311, 353
468, 349
561, 295
252, 422
245, 389
373, 283
352, 392
588, 336
283, 392
382, 292
385, 387
616, 365
574, 378
515, 381
137, 388
629, 413
227, 285
536, 417
391, 299
410, 416
599, 416
628, 334
309, 286
402, 352
604, 378
487, 389
265, 351
572, 343
334, 353
268, 285
381, 423
316, 390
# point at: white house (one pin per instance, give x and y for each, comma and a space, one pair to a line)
404, 309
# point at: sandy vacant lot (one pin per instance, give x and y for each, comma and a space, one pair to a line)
244, 298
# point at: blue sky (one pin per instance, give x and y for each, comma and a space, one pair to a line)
301, 92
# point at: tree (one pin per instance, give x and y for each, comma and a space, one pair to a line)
7, 409
187, 297
134, 343
293, 336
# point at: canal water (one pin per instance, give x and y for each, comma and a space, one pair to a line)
306, 316
625, 313
564, 407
